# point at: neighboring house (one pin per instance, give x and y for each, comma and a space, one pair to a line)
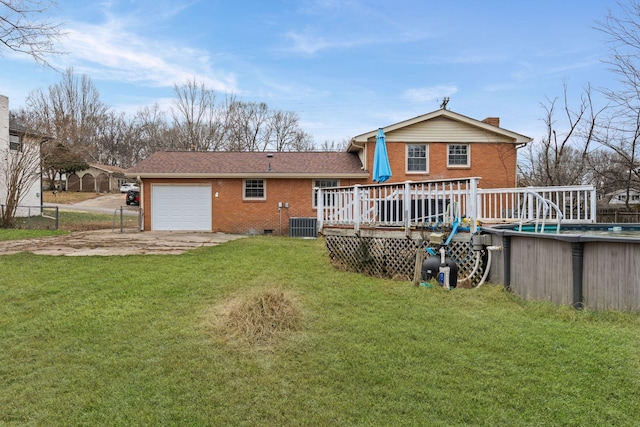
442, 145
12, 145
98, 179
256, 192
619, 197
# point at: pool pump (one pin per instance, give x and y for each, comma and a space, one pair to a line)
442, 268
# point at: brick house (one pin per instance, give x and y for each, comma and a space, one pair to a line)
443, 145
257, 192
237, 192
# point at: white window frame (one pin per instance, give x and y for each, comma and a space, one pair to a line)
15, 143
457, 165
244, 189
314, 197
426, 159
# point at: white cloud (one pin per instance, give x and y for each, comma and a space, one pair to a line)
308, 43
110, 51
426, 94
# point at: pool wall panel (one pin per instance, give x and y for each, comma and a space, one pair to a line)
541, 269
611, 275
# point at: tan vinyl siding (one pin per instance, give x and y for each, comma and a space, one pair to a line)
441, 129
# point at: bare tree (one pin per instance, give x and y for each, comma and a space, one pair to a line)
623, 128
302, 141
198, 123
561, 156
284, 134
22, 31
334, 146
149, 132
247, 126
113, 141
606, 171
21, 170
72, 113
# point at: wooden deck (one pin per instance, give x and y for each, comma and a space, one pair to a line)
427, 204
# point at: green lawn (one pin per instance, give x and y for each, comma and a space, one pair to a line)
19, 234
136, 340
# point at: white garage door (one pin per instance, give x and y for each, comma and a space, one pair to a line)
181, 207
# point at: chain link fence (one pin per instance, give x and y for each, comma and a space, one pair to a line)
30, 217
122, 219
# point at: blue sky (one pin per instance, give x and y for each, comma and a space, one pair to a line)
346, 67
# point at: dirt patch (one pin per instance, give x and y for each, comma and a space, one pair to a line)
107, 242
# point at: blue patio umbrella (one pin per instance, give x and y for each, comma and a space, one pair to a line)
381, 167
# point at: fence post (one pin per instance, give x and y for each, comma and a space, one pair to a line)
407, 207
473, 203
319, 207
57, 218
356, 208
594, 205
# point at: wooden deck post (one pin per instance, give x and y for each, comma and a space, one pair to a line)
356, 208
319, 208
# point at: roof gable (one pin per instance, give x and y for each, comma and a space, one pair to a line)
107, 168
225, 164
442, 126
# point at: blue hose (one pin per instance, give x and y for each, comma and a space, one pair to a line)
454, 230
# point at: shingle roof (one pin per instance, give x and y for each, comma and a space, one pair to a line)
225, 163
107, 168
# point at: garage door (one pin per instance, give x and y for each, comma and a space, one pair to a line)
181, 207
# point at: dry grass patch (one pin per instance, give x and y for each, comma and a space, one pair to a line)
261, 317
68, 197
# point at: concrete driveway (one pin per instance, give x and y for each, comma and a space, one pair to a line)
105, 204
107, 242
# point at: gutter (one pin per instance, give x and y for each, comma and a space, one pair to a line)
262, 175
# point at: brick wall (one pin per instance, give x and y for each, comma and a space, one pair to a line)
494, 163
232, 214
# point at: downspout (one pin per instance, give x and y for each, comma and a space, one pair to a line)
364, 152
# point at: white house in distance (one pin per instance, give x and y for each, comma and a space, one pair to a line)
11, 140
619, 197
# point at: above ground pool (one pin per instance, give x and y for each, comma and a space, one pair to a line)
588, 265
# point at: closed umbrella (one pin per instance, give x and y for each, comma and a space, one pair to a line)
381, 167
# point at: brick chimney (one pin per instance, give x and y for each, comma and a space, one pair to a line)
493, 121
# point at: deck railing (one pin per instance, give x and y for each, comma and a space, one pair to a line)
418, 203
577, 204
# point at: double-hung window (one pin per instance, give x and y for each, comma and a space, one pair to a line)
328, 198
254, 189
417, 158
458, 155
